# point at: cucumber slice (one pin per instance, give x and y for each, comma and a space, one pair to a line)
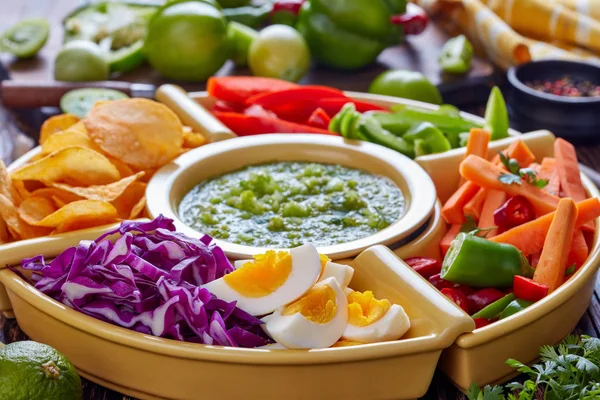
80, 101
25, 38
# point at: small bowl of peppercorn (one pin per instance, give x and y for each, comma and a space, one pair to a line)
558, 95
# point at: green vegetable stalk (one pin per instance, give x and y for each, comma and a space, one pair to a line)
494, 309
427, 139
496, 115
478, 262
514, 307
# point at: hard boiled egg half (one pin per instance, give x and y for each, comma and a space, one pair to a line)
341, 272
270, 281
316, 320
371, 320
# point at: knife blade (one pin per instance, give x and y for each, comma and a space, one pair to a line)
35, 94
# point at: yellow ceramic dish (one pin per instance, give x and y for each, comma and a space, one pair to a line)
153, 368
170, 183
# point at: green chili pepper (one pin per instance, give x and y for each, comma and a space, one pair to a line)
494, 309
478, 262
456, 55
514, 307
431, 139
336, 121
373, 132
496, 115
251, 16
240, 38
448, 110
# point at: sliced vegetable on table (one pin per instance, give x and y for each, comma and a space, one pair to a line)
25, 38
456, 55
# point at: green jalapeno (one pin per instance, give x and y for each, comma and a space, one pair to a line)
373, 132
431, 139
496, 115
494, 309
456, 55
478, 262
514, 307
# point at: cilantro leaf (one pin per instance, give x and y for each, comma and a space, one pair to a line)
570, 270
511, 164
469, 225
509, 179
530, 176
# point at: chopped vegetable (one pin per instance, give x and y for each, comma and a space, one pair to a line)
430, 139
553, 261
548, 171
319, 119
529, 237
448, 238
403, 117
474, 206
457, 298
481, 322
244, 125
298, 93
478, 262
579, 249
496, 115
494, 309
452, 211
493, 200
424, 266
482, 298
514, 307
456, 55
527, 289
485, 174
149, 281
333, 105
236, 89
516, 211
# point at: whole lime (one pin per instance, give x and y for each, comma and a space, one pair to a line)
35, 371
80, 61
407, 84
281, 52
187, 41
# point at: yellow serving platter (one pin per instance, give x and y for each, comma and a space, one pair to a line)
130, 362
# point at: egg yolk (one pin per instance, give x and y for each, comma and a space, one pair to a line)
318, 305
324, 260
263, 276
346, 343
364, 309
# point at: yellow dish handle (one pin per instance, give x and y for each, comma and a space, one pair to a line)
193, 114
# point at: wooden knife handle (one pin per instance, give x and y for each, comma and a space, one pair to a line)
32, 94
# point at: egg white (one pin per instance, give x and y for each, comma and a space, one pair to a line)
391, 326
341, 272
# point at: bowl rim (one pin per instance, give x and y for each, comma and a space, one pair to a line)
421, 197
519, 85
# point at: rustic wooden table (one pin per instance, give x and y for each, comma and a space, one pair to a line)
420, 53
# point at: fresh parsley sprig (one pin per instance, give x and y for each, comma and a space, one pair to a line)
470, 227
518, 174
569, 371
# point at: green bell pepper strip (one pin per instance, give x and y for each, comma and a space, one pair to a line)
374, 133
448, 110
463, 138
478, 262
494, 309
456, 55
347, 34
514, 307
240, 38
252, 16
432, 140
336, 121
496, 115
404, 117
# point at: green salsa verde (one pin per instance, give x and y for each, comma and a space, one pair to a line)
286, 204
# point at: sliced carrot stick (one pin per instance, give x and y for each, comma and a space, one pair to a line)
493, 201
549, 171
485, 174
550, 271
477, 144
568, 170
579, 249
519, 151
448, 238
529, 237
474, 206
535, 258
452, 211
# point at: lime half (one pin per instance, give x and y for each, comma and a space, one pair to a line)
80, 101
80, 61
407, 84
25, 38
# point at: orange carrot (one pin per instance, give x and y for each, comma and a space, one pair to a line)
529, 237
579, 249
474, 206
568, 170
452, 211
535, 258
493, 201
485, 174
519, 151
477, 144
448, 238
549, 171
550, 270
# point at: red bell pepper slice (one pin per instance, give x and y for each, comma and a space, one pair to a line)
483, 298
236, 89
311, 93
319, 119
224, 106
245, 125
516, 211
333, 105
258, 111
426, 267
291, 6
481, 322
527, 289
439, 283
458, 297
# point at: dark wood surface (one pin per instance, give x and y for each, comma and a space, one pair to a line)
420, 53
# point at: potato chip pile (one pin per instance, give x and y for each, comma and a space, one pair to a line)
91, 172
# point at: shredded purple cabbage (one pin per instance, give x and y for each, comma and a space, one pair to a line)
149, 280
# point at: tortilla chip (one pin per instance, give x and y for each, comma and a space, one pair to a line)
7, 188
140, 132
18, 228
101, 192
85, 222
34, 209
191, 140
68, 138
124, 169
55, 124
76, 166
59, 197
82, 209
131, 203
